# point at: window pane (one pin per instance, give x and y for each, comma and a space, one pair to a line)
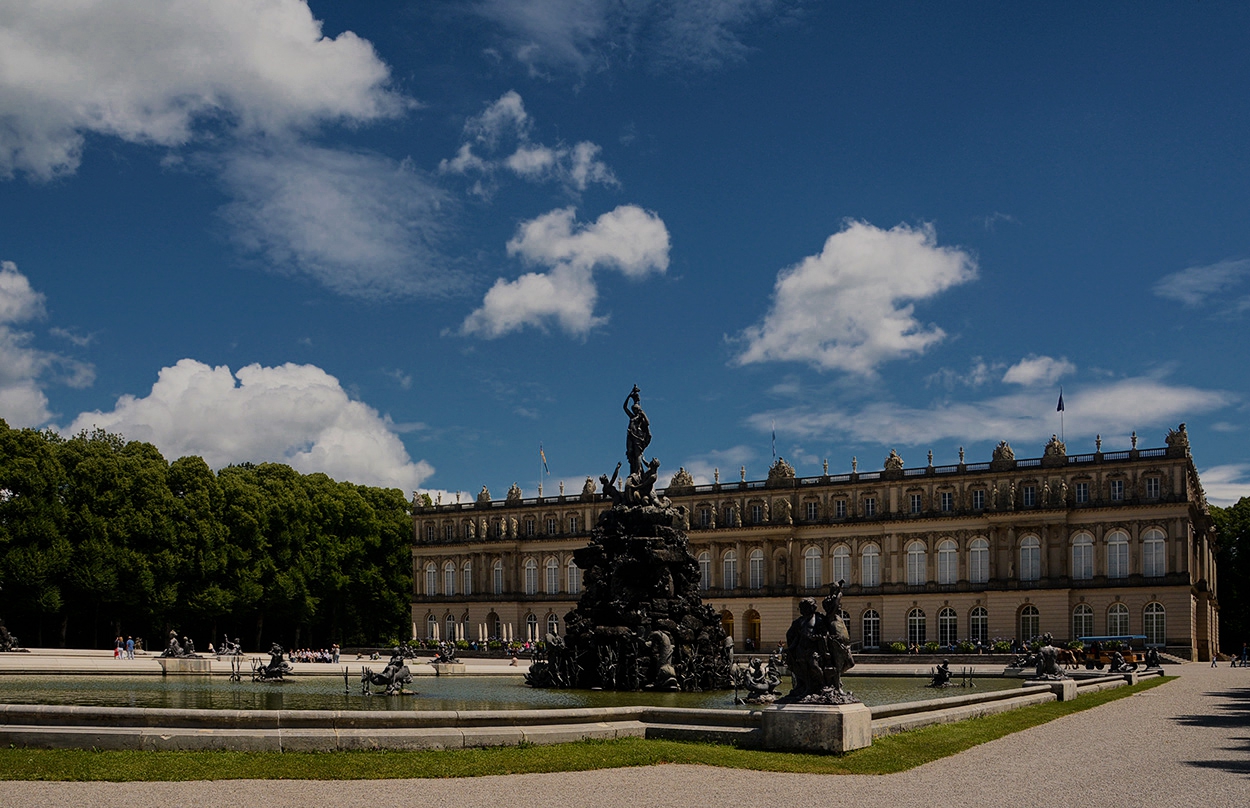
870, 566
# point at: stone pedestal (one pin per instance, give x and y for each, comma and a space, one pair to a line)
1064, 689
178, 667
447, 668
817, 727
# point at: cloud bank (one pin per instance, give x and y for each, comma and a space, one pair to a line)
1211, 284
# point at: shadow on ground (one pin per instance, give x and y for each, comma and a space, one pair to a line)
1231, 712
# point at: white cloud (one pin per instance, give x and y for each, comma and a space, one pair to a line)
729, 461
294, 414
360, 224
1226, 485
503, 118
851, 307
977, 374
628, 239
1196, 285
154, 72
1038, 370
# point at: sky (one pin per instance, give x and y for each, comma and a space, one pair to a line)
407, 243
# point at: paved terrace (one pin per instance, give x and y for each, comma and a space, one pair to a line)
1186, 743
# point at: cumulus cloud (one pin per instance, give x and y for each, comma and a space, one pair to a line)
628, 239
729, 461
153, 72
1038, 370
852, 306
25, 369
294, 414
1226, 485
1195, 286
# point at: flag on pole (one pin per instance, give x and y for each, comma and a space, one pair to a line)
774, 441
543, 455
1059, 407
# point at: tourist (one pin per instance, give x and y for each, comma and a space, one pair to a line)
130, 648
1245, 654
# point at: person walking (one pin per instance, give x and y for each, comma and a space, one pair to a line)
130, 648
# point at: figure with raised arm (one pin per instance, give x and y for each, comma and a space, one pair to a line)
638, 436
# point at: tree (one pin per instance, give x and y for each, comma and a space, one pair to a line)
1233, 563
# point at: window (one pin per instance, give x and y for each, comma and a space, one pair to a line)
705, 571
1154, 624
870, 506
841, 563
553, 576
979, 561
1154, 553
916, 564
431, 579
979, 624
1082, 493
1082, 621
1117, 490
729, 570
811, 567
451, 629
1028, 495
531, 627
429, 532
467, 574
916, 627
496, 574
551, 526
531, 576
948, 501
1117, 555
529, 526
572, 524
812, 510
948, 563
727, 518
1083, 559
449, 532
757, 514
1030, 623
1117, 619
705, 517
553, 624
575, 578
872, 629
948, 626
466, 528
431, 627
757, 569
1152, 488
839, 508
870, 566
978, 499
449, 578
1030, 558
915, 503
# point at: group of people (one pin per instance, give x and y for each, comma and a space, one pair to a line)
330, 654
125, 648
1238, 661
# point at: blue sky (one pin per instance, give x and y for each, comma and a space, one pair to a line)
405, 243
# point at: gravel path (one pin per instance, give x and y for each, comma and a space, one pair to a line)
1186, 743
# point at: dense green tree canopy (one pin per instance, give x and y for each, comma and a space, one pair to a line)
1233, 561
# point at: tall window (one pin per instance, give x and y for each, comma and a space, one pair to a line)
449, 532
1083, 558
1152, 488
429, 533
916, 627
948, 563
727, 517
573, 524
1154, 624
870, 566
1028, 495
841, 563
915, 503
729, 570
1030, 558
872, 629
431, 579
1154, 553
979, 561
948, 626
1117, 490
575, 578
531, 576
529, 527
553, 624
978, 499
839, 508
1030, 623
757, 569
551, 529
812, 511
553, 576
467, 578
1082, 621
531, 627
705, 571
1117, 619
705, 517
449, 578
870, 506
450, 622
757, 514
916, 563
979, 624
1081, 493
496, 575
1117, 554
431, 627
948, 501
811, 567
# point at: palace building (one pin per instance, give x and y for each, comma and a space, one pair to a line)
1108, 543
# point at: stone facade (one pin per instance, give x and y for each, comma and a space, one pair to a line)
1102, 543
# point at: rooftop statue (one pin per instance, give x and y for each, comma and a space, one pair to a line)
1003, 451
514, 495
893, 461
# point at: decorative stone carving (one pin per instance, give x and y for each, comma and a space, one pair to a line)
514, 495
893, 462
471, 528
275, 669
930, 458
682, 482
482, 527
781, 513
1003, 451
588, 490
1055, 447
780, 473
512, 527
393, 677
1178, 442
483, 498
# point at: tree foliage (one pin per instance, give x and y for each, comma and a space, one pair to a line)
100, 537
1233, 562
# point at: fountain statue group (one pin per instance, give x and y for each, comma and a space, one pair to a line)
276, 668
8, 642
392, 678
177, 650
818, 652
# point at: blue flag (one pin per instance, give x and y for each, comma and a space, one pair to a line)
1059, 408
544, 458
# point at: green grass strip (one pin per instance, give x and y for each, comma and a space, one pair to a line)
888, 755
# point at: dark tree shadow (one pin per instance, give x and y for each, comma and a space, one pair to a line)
1232, 712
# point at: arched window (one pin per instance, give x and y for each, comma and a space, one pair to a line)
531, 628
1154, 553
870, 566
872, 629
449, 578
494, 625
531, 578
1117, 554
1030, 558
553, 624
1154, 624
553, 576
729, 570
948, 626
916, 627
431, 627
757, 569
467, 576
1117, 619
496, 574
979, 561
842, 563
916, 563
752, 621
811, 568
450, 622
979, 624
431, 579
1030, 623
575, 578
1083, 559
727, 622
948, 565
705, 571
1082, 621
